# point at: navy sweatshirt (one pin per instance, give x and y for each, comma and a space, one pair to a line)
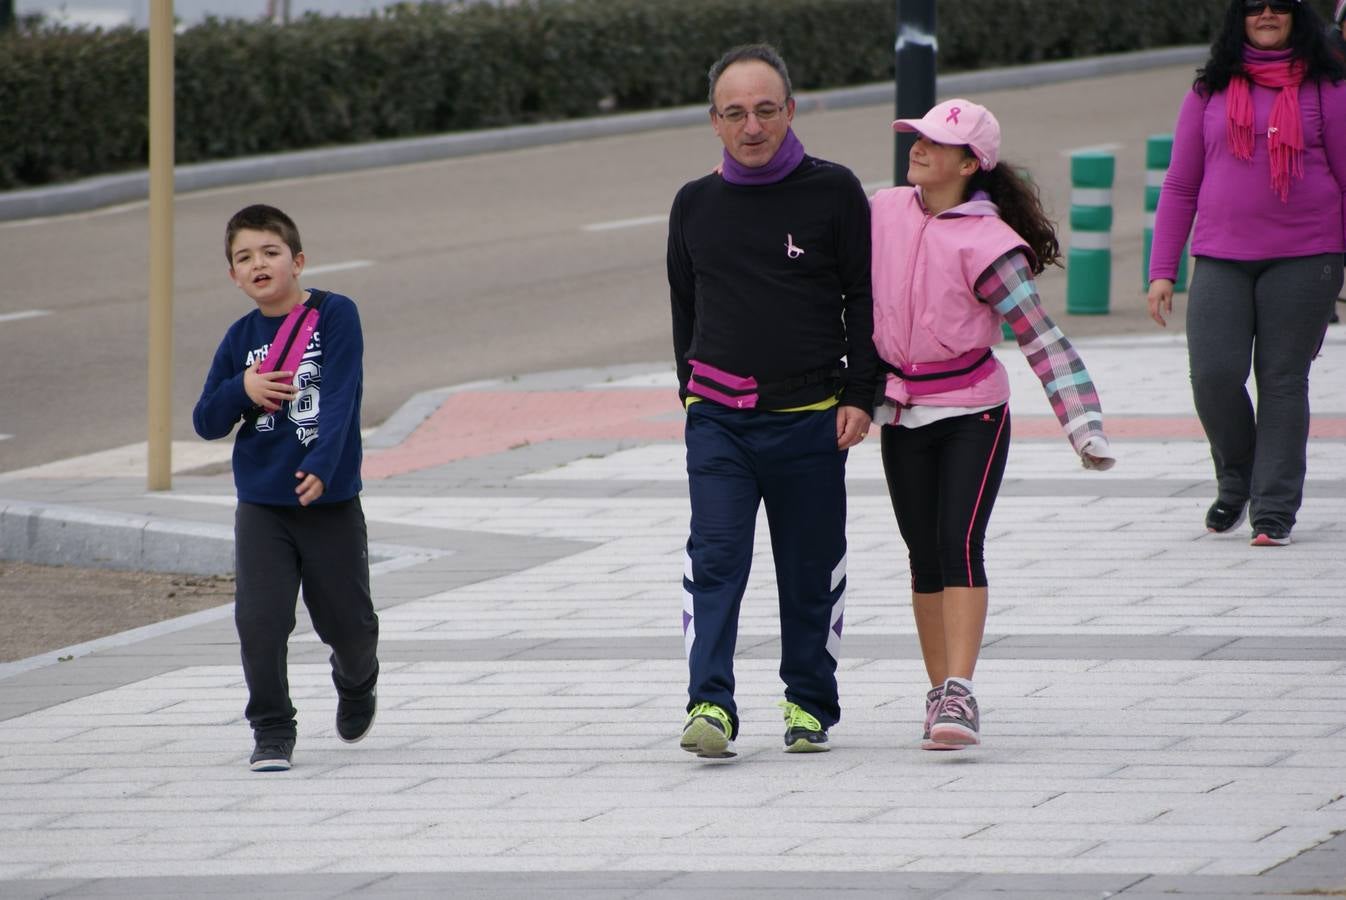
317, 433
772, 281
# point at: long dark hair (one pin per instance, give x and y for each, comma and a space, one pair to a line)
1308, 43
1021, 209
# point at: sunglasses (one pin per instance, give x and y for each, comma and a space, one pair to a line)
1280, 7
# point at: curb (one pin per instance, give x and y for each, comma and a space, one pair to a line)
57, 535
107, 190
61, 535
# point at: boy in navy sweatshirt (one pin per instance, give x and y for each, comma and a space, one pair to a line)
299, 521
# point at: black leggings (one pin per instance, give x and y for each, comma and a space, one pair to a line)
943, 479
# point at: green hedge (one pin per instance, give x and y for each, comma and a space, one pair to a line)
73, 102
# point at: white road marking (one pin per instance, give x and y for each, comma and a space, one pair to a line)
339, 267
24, 314
626, 223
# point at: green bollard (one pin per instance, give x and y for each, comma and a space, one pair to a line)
1158, 154
1089, 259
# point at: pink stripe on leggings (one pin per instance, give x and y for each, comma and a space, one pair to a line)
981, 492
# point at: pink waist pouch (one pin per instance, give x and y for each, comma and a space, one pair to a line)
287, 350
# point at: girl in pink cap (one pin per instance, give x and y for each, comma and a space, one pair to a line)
954, 257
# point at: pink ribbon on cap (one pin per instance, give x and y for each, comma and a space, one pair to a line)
953, 114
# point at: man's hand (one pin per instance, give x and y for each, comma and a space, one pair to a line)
310, 488
1160, 299
852, 426
268, 391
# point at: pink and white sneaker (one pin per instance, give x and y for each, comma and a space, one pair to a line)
934, 699
958, 722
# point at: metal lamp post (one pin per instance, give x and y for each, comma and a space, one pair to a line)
160, 400
917, 49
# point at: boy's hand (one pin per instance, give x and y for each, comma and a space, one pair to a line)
310, 488
268, 391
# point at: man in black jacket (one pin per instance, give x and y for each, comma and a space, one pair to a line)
768, 265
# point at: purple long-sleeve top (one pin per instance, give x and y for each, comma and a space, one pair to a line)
1238, 214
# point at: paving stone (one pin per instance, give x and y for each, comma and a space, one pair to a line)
1153, 702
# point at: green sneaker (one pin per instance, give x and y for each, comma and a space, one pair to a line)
707, 732
803, 733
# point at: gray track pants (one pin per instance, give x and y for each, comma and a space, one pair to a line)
1269, 316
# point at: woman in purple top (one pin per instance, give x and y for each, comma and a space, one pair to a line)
1259, 158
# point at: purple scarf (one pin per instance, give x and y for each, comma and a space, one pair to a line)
788, 156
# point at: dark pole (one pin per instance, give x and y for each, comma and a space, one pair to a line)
6, 14
917, 49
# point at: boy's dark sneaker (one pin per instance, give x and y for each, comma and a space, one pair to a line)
1222, 516
354, 718
1270, 536
706, 732
934, 700
803, 732
272, 754
958, 722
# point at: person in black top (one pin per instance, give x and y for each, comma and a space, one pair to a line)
768, 266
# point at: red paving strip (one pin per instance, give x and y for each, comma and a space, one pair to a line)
472, 424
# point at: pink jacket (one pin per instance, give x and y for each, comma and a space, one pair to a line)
924, 269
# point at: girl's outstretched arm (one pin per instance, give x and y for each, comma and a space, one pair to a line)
1008, 286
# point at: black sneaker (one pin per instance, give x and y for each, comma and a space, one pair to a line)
1222, 516
1270, 536
707, 732
354, 718
803, 732
272, 754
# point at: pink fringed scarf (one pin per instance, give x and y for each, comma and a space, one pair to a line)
1285, 130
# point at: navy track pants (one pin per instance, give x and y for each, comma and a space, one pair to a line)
789, 462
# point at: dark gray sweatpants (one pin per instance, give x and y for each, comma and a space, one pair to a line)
1267, 317
324, 548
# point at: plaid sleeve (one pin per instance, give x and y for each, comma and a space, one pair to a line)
1008, 286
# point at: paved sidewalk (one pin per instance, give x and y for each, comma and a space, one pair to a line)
1163, 708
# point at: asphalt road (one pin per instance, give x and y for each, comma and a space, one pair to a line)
476, 267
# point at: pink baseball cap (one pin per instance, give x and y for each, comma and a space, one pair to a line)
1340, 13
960, 121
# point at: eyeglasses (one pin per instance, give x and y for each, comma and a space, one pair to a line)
1280, 7
737, 115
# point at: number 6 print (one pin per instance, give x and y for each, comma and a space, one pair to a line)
303, 409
